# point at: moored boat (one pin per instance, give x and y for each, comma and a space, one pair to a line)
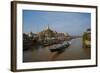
60, 47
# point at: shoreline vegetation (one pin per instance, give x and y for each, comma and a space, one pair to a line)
87, 39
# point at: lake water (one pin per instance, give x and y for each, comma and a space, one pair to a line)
73, 52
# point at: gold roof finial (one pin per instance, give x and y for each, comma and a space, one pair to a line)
48, 27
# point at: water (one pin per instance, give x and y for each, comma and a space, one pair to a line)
73, 52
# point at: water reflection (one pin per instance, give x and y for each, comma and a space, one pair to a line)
54, 55
87, 51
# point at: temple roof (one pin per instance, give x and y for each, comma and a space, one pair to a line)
48, 31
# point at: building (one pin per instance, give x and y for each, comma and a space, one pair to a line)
46, 34
25, 36
49, 34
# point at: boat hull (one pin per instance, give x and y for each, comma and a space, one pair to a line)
61, 48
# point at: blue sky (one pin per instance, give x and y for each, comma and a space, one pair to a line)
73, 23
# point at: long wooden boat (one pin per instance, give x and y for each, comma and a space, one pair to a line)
60, 47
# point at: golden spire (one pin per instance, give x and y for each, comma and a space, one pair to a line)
48, 27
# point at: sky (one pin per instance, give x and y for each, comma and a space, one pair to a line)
74, 23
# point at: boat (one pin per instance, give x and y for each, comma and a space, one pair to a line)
60, 47
50, 42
